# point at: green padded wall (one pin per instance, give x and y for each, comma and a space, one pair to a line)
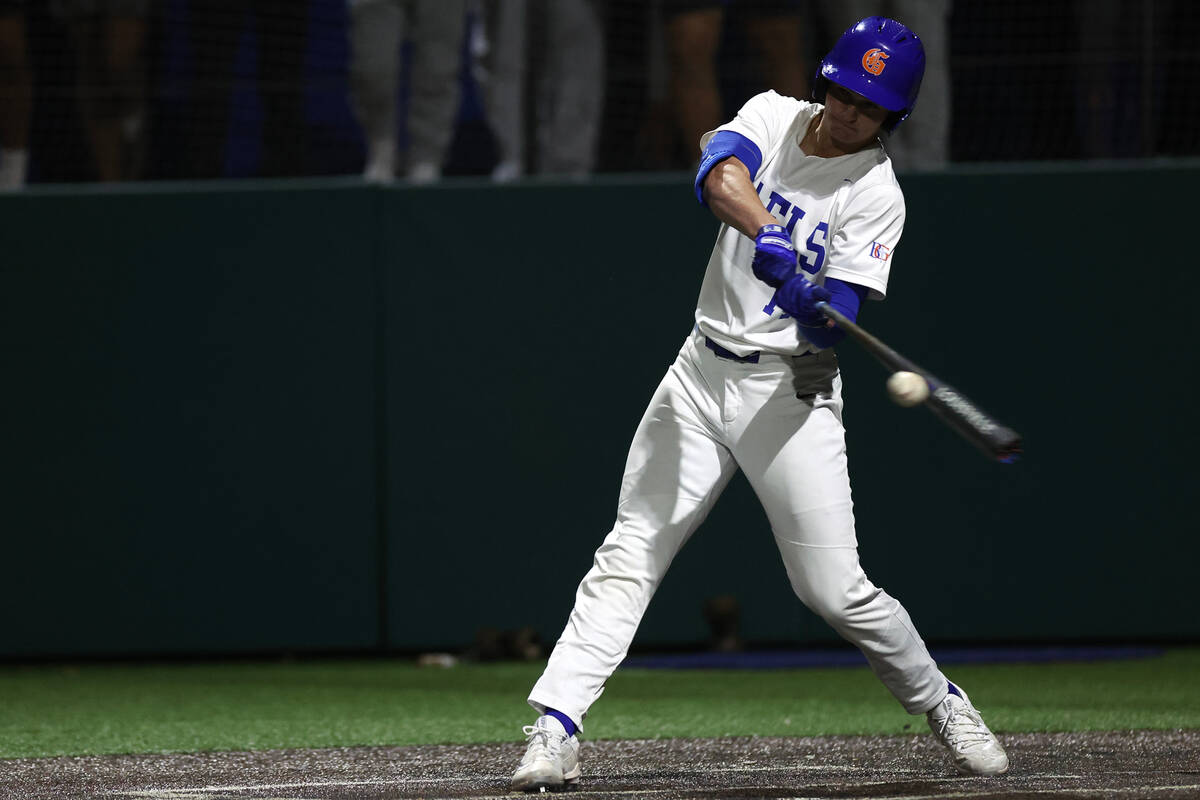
319, 415
189, 447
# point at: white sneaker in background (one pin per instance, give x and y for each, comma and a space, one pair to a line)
551, 760
959, 726
507, 171
13, 166
424, 172
381, 161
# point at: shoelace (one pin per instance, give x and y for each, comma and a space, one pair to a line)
549, 742
963, 727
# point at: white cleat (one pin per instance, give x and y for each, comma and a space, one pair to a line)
959, 726
551, 760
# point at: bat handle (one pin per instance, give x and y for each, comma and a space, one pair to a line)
831, 312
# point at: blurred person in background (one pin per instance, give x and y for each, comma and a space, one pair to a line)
215, 29
924, 143
16, 95
1121, 90
562, 43
435, 31
109, 38
693, 31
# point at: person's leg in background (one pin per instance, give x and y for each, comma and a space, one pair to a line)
923, 141
505, 71
110, 43
693, 32
1103, 97
775, 29
282, 45
570, 88
376, 27
16, 95
214, 28
438, 28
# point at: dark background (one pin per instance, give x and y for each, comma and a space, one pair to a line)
1020, 75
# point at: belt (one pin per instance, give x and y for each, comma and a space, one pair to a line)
732, 356
752, 358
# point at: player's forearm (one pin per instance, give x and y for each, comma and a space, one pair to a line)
730, 195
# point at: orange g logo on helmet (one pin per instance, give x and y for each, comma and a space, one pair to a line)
873, 59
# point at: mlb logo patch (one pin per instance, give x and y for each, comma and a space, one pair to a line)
880, 252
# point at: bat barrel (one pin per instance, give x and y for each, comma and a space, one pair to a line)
954, 408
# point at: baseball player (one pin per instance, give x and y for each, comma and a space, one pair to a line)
810, 211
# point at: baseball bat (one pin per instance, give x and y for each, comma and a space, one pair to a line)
951, 406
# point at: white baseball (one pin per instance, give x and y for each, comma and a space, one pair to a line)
907, 388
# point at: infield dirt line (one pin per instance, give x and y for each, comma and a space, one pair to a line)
208, 792
186, 791
262, 787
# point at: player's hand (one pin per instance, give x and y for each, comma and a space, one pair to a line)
774, 256
799, 297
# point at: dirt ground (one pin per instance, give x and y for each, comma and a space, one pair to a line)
1134, 764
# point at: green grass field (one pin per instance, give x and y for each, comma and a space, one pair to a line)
155, 708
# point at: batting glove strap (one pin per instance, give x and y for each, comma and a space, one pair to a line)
774, 256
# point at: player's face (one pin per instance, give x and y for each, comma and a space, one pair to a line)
853, 120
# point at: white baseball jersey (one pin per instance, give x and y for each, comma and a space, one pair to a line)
845, 216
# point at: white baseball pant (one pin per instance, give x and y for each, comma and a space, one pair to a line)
780, 422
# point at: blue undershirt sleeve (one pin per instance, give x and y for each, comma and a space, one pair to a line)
721, 146
848, 299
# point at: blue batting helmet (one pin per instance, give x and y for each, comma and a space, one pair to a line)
880, 59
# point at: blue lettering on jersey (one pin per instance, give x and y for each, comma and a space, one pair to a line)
810, 261
797, 215
817, 249
777, 201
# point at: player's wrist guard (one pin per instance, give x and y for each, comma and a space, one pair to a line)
774, 256
774, 230
799, 297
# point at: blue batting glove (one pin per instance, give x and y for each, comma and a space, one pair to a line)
774, 256
799, 297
